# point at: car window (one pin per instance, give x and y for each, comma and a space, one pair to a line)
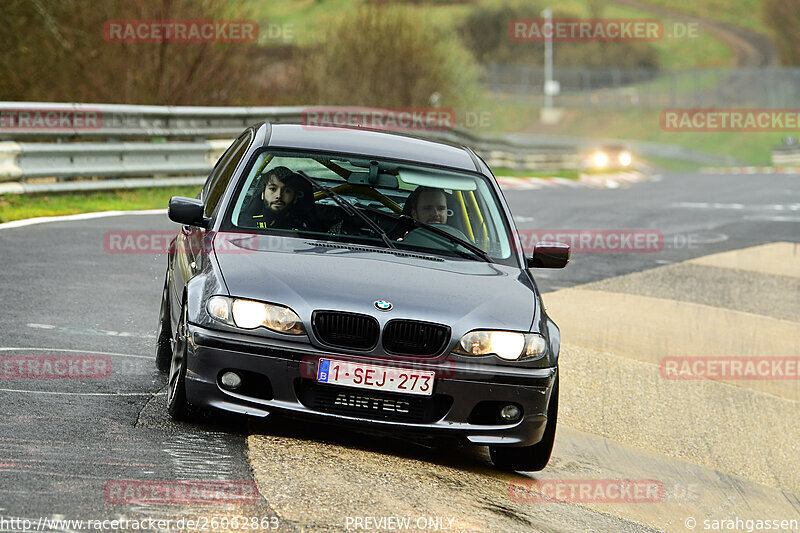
221, 176
272, 198
214, 174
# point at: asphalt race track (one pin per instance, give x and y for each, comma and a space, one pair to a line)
725, 282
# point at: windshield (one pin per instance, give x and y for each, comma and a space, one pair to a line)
372, 202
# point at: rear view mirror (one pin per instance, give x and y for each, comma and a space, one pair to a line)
187, 211
374, 178
383, 181
549, 255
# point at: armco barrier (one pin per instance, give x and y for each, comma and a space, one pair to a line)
114, 121
67, 160
786, 155
66, 141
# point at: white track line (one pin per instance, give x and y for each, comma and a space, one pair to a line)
81, 216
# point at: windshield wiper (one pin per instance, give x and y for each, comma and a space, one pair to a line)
478, 251
348, 208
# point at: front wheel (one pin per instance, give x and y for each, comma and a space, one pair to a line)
177, 405
535, 457
164, 334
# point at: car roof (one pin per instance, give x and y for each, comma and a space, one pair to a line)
372, 143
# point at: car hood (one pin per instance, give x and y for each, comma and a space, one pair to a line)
305, 276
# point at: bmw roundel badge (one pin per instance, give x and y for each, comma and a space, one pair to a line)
383, 305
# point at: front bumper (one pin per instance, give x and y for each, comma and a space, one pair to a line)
279, 378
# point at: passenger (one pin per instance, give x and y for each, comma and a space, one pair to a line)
286, 200
428, 205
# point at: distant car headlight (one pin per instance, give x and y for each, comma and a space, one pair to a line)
625, 158
600, 159
508, 345
249, 314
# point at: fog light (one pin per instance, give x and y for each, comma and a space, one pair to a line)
510, 412
231, 380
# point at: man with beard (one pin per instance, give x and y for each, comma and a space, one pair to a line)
281, 192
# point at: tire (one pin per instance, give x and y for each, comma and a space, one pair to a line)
530, 458
177, 404
164, 333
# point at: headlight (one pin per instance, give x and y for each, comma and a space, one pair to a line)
600, 160
220, 308
625, 159
508, 345
536, 346
249, 314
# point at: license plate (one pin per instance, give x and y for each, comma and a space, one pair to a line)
373, 377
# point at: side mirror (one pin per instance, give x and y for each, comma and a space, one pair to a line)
187, 211
549, 255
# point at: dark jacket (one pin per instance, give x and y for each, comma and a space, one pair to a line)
283, 220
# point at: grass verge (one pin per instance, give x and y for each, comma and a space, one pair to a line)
745, 13
21, 206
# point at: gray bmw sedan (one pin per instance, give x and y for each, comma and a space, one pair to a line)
364, 278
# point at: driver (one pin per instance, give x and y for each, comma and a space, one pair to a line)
281, 191
429, 205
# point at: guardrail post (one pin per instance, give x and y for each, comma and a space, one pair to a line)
9, 170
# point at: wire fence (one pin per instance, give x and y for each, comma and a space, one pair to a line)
610, 88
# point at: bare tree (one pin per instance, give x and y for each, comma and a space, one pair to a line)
783, 16
57, 51
384, 55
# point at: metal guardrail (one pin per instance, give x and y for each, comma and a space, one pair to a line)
639, 148
787, 154
114, 121
78, 160
67, 141
109, 141
647, 88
